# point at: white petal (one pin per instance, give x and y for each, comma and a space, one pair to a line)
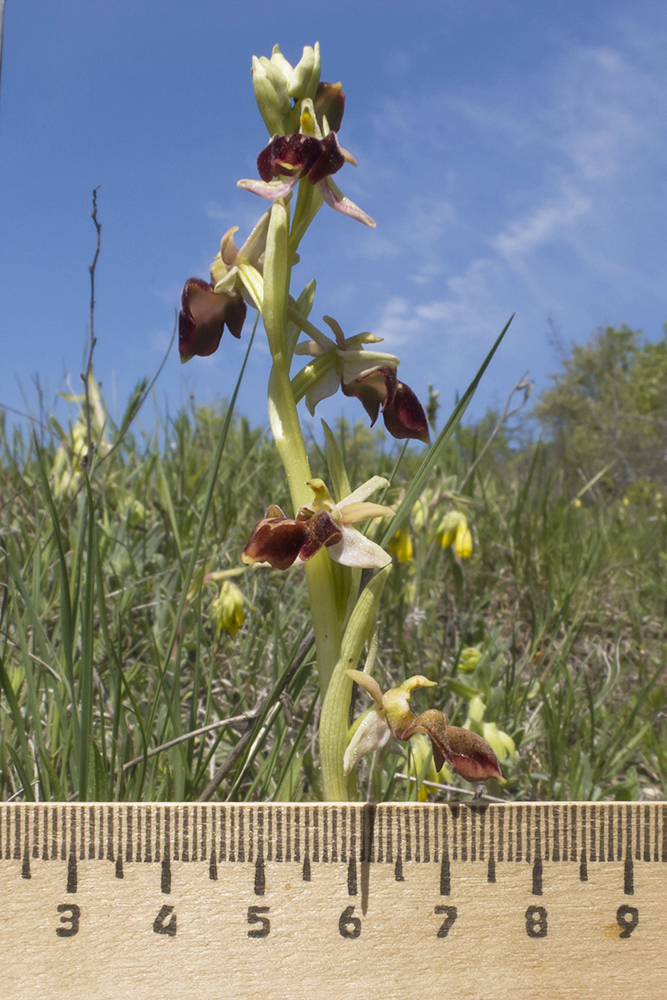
364, 491
358, 551
357, 364
372, 733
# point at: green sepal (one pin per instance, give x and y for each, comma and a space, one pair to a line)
303, 306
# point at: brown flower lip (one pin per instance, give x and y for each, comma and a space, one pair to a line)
300, 155
203, 317
381, 392
465, 751
280, 540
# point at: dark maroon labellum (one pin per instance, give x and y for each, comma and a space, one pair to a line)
289, 155
402, 412
203, 317
279, 540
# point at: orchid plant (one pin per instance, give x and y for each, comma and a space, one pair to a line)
303, 116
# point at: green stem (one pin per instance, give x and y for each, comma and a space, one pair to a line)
286, 429
334, 722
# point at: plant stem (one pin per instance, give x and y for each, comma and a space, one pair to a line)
287, 434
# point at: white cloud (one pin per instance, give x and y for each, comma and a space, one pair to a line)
543, 223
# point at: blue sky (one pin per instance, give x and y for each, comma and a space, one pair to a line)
512, 154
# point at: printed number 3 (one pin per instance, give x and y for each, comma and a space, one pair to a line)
73, 920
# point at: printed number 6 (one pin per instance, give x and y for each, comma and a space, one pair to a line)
349, 926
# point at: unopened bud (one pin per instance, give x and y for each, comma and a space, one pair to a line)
228, 609
306, 74
330, 104
278, 60
401, 545
469, 659
501, 743
270, 89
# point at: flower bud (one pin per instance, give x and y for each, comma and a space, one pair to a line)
501, 743
330, 104
227, 608
278, 60
448, 527
420, 513
469, 659
463, 539
270, 89
306, 74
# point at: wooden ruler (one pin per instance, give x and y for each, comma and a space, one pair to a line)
166, 902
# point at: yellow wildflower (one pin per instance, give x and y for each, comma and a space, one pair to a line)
228, 608
401, 545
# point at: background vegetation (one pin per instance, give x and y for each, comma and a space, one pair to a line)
115, 647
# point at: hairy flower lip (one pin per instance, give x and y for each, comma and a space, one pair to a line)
465, 751
276, 541
203, 316
288, 156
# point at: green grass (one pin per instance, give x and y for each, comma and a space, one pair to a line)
109, 648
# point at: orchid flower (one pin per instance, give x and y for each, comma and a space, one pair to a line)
281, 541
368, 375
307, 153
466, 752
206, 308
343, 359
